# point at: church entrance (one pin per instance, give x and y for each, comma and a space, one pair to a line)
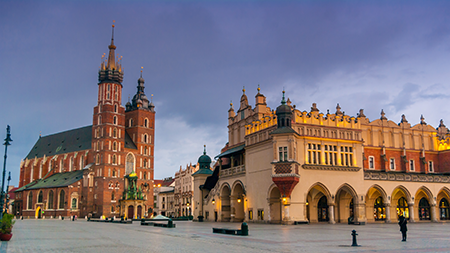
38, 213
130, 213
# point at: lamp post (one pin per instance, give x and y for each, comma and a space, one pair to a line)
6, 192
7, 140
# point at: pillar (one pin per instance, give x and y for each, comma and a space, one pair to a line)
411, 212
433, 213
388, 212
331, 213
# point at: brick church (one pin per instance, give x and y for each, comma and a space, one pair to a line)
105, 169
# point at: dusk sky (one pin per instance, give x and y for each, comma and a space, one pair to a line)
198, 55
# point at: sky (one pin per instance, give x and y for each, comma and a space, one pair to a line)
198, 55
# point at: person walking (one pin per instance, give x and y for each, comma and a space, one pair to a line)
402, 223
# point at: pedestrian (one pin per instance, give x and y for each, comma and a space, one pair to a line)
402, 223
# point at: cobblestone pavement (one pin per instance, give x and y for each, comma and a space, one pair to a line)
83, 236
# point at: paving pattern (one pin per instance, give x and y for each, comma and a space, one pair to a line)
82, 236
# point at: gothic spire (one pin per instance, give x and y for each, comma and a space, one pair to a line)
112, 54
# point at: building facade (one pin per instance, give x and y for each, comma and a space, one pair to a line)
184, 191
83, 171
290, 166
164, 197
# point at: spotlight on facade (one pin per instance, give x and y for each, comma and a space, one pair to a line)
213, 201
239, 200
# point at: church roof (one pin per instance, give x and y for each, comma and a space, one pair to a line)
129, 142
61, 143
54, 181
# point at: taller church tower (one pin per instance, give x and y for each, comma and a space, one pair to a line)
108, 132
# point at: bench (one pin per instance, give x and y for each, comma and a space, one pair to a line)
163, 225
243, 231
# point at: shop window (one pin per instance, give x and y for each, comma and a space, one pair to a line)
250, 214
444, 211
379, 210
260, 214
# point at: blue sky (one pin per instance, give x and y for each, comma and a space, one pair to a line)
197, 56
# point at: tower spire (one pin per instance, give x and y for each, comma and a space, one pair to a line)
112, 54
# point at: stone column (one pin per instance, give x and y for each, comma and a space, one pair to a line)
433, 213
411, 212
388, 212
331, 213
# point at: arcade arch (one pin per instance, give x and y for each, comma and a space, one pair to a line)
317, 204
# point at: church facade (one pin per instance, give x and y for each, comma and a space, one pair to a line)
105, 169
290, 166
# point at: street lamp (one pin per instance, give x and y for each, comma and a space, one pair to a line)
7, 140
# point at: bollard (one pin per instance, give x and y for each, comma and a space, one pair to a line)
354, 234
244, 228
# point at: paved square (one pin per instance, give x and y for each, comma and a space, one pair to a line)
83, 236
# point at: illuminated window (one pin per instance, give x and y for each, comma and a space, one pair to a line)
330, 154
346, 156
314, 153
260, 214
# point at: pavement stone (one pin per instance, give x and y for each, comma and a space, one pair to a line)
82, 236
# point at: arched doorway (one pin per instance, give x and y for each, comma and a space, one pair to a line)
237, 213
379, 209
322, 210
130, 213
424, 209
344, 204
444, 211
275, 205
402, 208
317, 209
226, 205
139, 212
38, 213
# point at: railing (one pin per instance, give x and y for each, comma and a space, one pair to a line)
233, 171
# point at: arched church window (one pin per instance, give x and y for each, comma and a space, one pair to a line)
30, 200
50, 200
62, 196
99, 119
129, 167
114, 160
115, 107
40, 197
130, 123
145, 138
113, 196
115, 146
115, 132
115, 120
145, 122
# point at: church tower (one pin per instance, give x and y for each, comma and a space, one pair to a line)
140, 126
108, 132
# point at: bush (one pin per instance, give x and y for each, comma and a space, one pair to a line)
7, 223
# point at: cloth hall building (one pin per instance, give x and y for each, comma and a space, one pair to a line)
290, 166
105, 169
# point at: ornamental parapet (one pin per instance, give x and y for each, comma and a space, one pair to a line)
236, 170
403, 176
329, 167
285, 168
